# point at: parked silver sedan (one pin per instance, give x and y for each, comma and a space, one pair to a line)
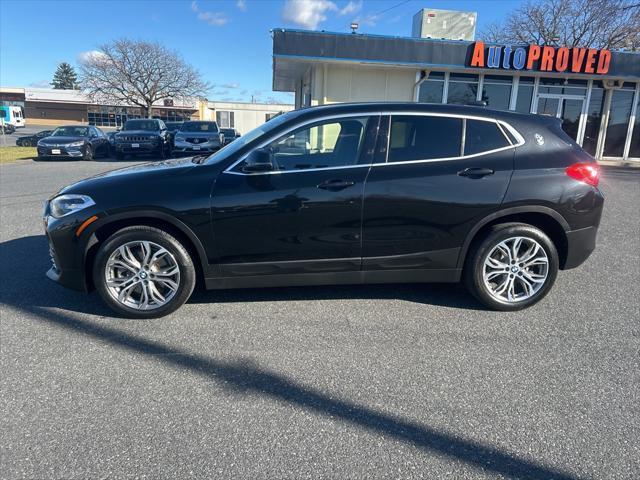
197, 137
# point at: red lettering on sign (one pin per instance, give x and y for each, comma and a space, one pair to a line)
546, 64
477, 58
562, 59
534, 54
577, 58
604, 61
589, 66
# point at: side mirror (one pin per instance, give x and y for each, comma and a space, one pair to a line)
259, 160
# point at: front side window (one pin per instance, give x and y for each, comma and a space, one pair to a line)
416, 137
329, 144
334, 143
481, 136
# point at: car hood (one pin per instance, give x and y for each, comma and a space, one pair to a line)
60, 140
136, 173
197, 134
125, 133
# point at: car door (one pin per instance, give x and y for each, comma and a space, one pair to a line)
441, 176
305, 215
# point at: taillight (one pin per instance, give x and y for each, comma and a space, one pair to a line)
585, 172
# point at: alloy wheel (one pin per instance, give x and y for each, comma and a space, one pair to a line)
515, 269
142, 275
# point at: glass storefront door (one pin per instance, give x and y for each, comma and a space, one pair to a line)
565, 107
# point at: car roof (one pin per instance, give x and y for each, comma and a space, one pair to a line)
516, 119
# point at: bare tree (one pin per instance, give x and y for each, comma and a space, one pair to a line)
611, 24
138, 73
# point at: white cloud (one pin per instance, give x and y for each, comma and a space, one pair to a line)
230, 85
241, 4
84, 57
216, 19
369, 19
41, 84
307, 13
351, 8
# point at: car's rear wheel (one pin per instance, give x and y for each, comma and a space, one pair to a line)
143, 272
512, 267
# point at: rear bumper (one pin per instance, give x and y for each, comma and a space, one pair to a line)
580, 244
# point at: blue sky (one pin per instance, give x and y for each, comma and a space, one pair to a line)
228, 41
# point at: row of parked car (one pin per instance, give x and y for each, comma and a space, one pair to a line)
137, 137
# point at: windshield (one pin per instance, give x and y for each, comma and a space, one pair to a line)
148, 125
199, 127
70, 132
249, 137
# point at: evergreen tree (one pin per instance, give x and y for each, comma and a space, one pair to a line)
65, 77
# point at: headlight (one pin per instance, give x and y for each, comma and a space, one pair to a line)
75, 144
66, 204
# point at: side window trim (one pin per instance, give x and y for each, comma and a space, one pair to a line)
296, 127
501, 124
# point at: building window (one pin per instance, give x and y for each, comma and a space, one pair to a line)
463, 88
560, 86
225, 119
594, 117
496, 91
431, 89
619, 116
634, 150
524, 95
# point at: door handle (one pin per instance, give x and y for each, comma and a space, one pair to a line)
335, 185
475, 172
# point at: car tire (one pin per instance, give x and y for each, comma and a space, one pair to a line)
88, 153
162, 152
512, 267
128, 300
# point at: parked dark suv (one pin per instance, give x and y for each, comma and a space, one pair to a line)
143, 136
340, 194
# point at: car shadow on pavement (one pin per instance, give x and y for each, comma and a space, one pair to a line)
26, 260
25, 289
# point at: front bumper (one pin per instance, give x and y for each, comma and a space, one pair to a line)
68, 152
136, 148
66, 250
188, 147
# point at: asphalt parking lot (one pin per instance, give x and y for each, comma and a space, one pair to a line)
404, 381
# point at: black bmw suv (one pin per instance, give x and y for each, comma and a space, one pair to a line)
143, 136
340, 194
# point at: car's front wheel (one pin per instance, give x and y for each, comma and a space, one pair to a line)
88, 153
143, 272
512, 267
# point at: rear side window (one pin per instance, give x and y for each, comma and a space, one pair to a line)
416, 137
483, 136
